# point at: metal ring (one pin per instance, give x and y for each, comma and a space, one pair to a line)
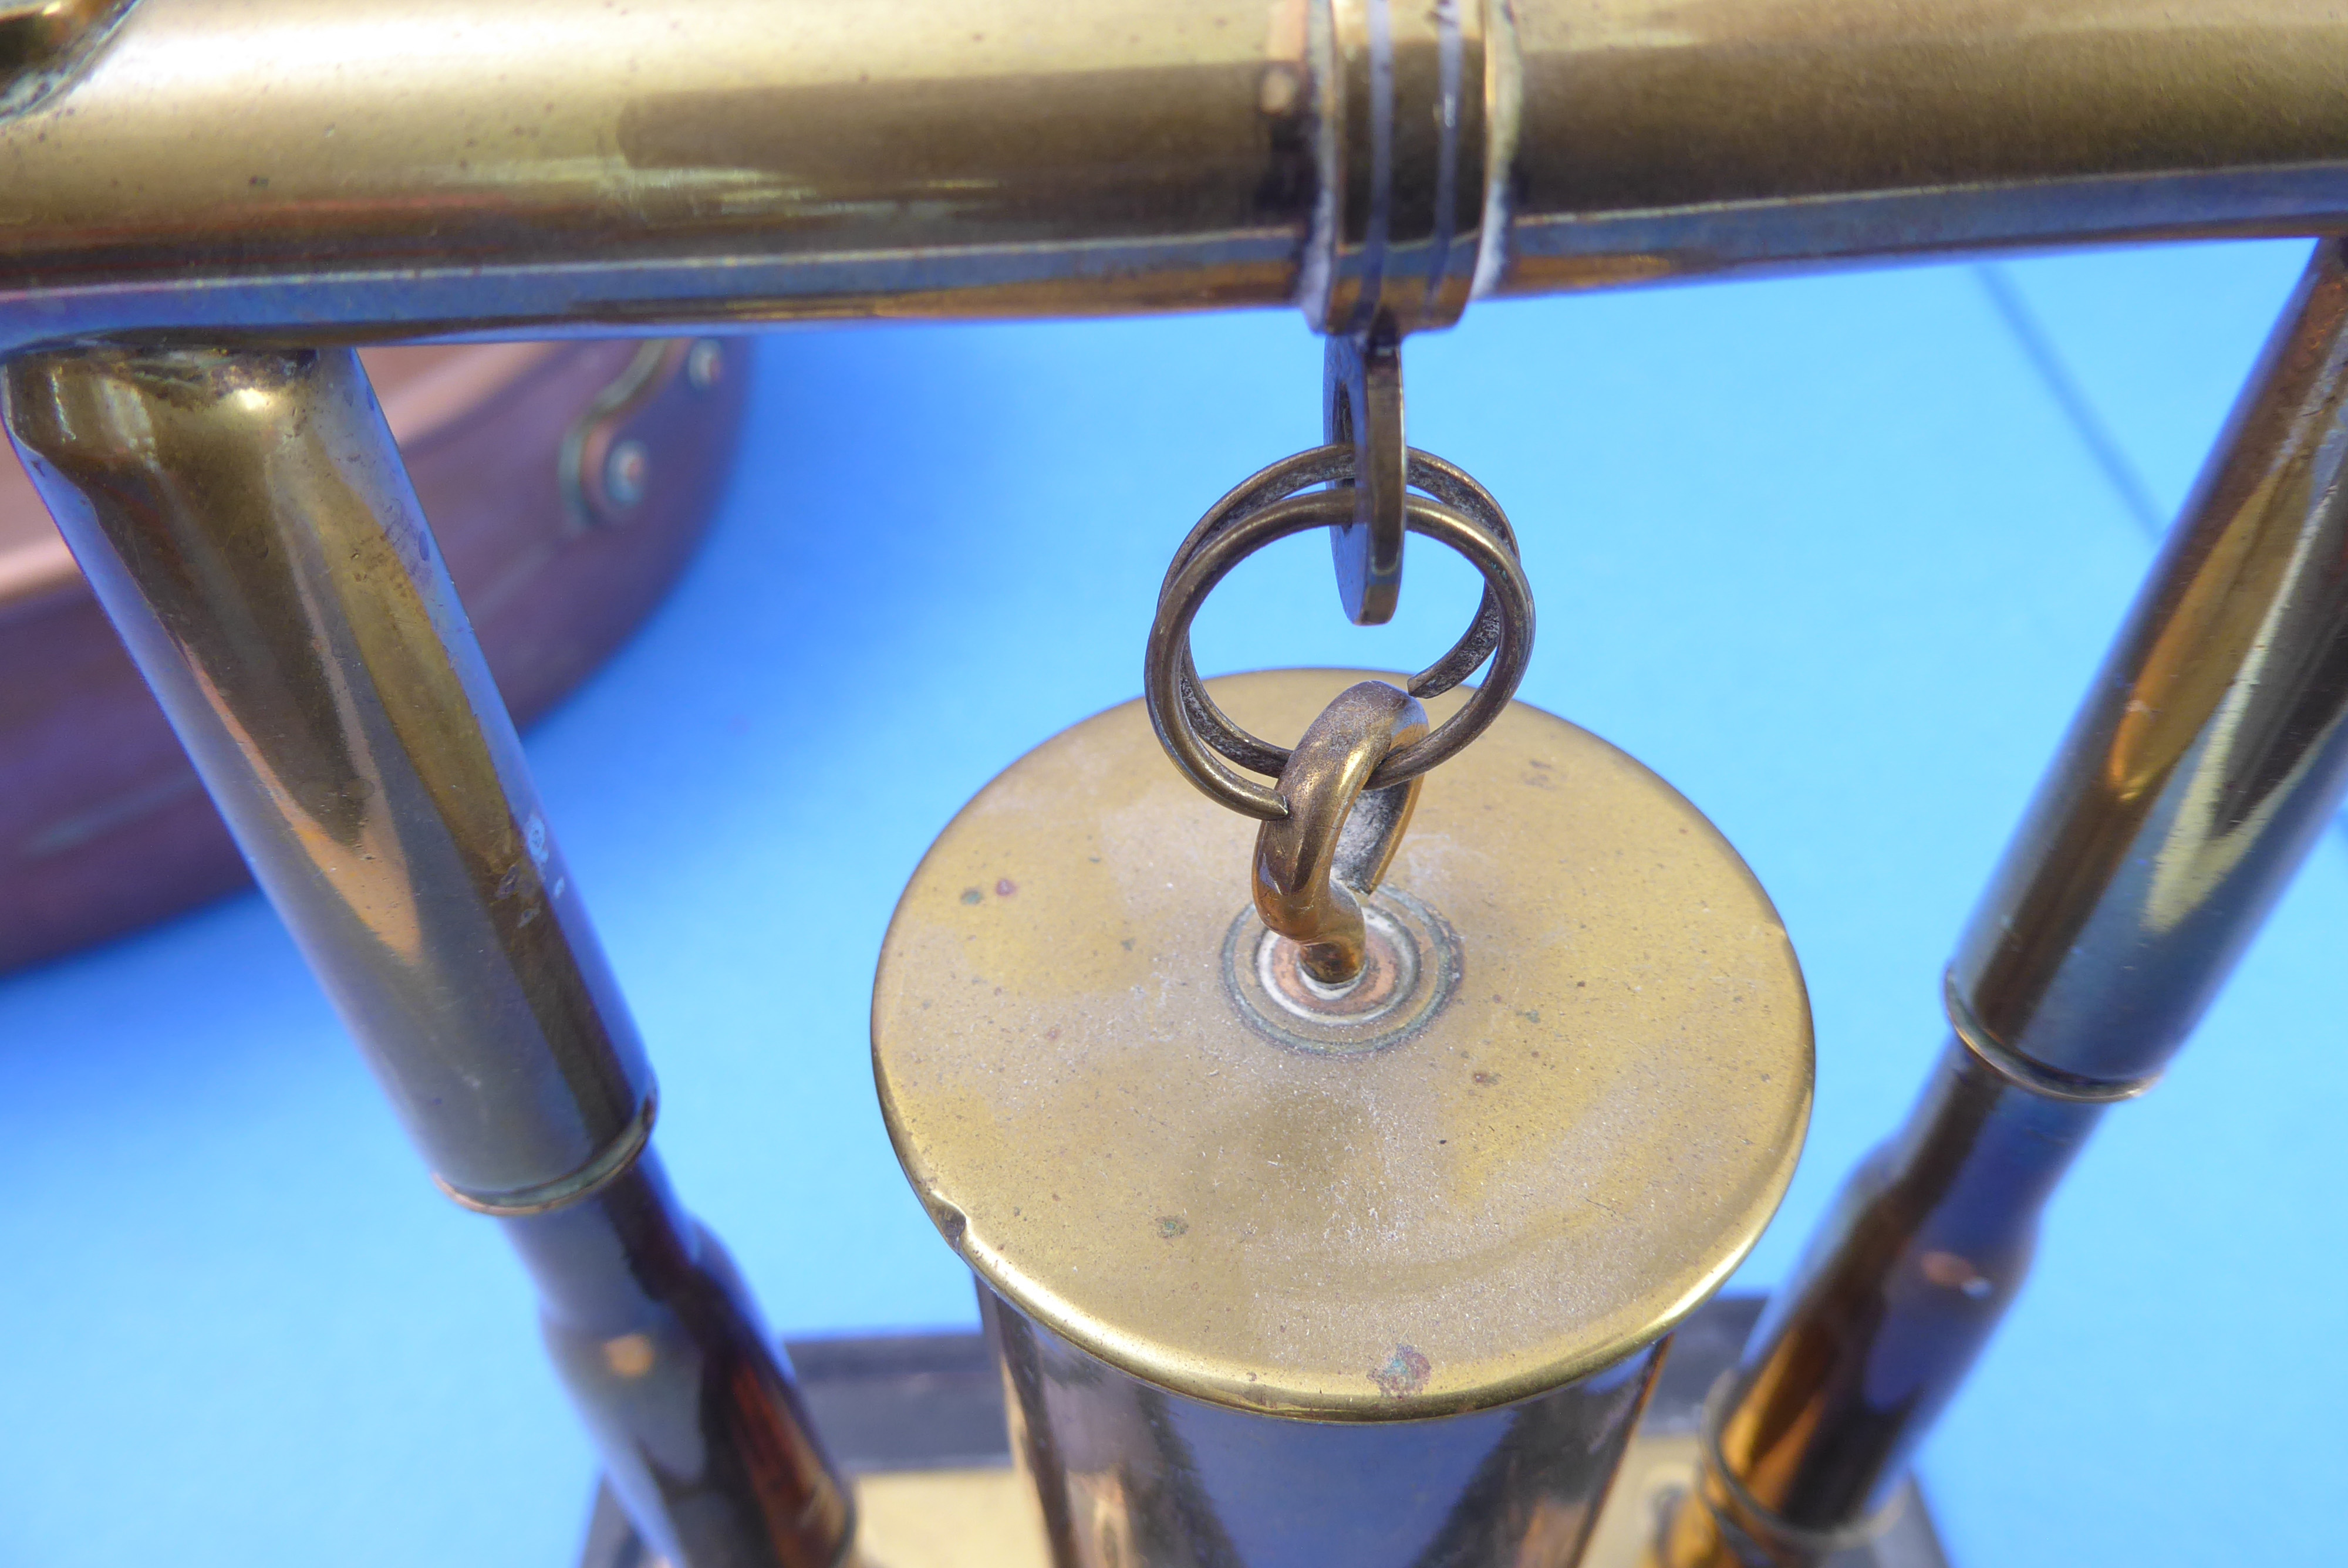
1265, 507
1314, 867
1334, 464
2033, 1077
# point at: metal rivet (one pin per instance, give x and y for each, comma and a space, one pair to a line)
626, 472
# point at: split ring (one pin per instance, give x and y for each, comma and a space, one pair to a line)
1267, 507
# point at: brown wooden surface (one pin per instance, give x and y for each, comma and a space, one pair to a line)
103, 825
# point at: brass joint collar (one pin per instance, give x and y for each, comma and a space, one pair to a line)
1405, 135
1409, 117
2019, 1071
1756, 1534
610, 1163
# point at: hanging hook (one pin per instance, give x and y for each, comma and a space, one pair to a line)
1405, 156
1361, 407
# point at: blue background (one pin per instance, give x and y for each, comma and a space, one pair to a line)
1837, 556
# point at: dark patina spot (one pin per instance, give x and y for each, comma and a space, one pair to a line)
1405, 1374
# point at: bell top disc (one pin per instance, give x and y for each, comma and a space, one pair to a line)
1553, 1147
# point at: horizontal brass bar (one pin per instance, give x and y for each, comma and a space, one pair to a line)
1670, 138
295, 170
433, 166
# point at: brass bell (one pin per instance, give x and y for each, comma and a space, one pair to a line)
1289, 1270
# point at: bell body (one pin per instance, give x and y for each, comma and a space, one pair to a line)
1282, 1279
1130, 1473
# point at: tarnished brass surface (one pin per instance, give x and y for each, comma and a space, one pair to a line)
438, 165
2211, 750
378, 168
245, 522
1668, 137
1549, 1175
2210, 754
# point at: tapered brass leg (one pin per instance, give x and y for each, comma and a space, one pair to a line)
2207, 757
246, 522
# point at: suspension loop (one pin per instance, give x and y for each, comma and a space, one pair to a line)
1314, 867
1275, 503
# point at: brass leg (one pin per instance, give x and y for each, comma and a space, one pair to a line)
246, 522
2206, 759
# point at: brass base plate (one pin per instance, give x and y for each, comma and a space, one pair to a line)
918, 1421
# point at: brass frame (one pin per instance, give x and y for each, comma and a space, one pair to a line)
434, 168
2210, 752
246, 522
385, 169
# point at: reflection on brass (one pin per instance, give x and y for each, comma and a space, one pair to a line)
1923, 1251
42, 42
2211, 750
1194, 1226
1253, 1220
245, 522
447, 165
1665, 1462
104, 825
2209, 757
384, 168
936, 1486
1665, 137
983, 1518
